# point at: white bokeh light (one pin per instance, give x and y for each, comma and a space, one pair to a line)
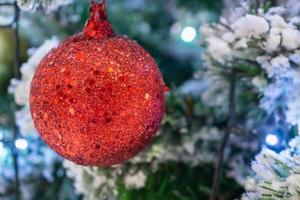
272, 139
188, 34
21, 144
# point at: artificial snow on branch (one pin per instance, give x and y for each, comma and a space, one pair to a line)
263, 46
48, 5
39, 154
277, 174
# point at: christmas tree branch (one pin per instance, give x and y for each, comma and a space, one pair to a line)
16, 75
224, 142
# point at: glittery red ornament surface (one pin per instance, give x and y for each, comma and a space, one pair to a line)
98, 98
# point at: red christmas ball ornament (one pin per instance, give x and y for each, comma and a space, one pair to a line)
98, 98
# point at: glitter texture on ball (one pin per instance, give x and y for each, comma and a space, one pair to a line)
98, 98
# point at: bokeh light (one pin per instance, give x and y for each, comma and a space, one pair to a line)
188, 34
21, 144
272, 139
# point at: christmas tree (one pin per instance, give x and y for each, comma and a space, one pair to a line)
230, 124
